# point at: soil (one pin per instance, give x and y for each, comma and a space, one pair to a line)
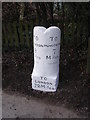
72, 91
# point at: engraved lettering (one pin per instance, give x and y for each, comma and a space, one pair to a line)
48, 57
51, 38
36, 38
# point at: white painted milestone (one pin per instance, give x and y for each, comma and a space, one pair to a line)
45, 75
